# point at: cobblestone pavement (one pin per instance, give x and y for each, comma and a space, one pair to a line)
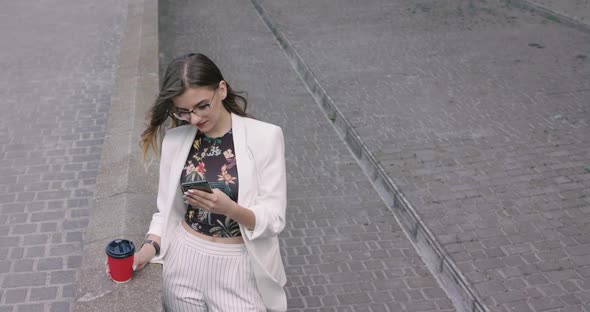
342, 247
57, 66
480, 114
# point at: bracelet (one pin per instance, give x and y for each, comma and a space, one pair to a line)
153, 243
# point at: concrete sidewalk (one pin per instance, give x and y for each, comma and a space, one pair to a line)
478, 114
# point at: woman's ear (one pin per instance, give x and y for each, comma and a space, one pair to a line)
223, 89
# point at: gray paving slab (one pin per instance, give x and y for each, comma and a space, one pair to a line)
342, 247
479, 113
57, 64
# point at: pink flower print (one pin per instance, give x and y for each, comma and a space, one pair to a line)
230, 158
226, 177
201, 170
190, 168
228, 154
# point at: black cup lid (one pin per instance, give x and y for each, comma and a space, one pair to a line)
120, 248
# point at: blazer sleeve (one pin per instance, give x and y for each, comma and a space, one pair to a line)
157, 223
270, 203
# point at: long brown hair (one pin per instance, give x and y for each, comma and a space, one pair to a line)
188, 71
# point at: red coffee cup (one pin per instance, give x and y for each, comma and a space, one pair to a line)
120, 259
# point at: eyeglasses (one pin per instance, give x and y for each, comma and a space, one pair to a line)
185, 115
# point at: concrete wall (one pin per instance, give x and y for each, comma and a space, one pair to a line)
126, 193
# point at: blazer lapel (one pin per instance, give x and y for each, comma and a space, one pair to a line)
179, 160
244, 161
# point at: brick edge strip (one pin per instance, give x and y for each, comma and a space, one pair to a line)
550, 14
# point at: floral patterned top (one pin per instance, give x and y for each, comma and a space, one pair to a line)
213, 160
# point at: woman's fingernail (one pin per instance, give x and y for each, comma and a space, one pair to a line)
134, 267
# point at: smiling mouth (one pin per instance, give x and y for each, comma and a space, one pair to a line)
201, 124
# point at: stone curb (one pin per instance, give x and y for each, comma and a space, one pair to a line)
125, 191
551, 14
440, 264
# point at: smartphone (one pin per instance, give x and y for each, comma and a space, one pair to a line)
199, 185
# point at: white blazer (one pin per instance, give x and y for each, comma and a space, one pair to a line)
260, 158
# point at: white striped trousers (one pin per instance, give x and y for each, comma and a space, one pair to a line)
199, 275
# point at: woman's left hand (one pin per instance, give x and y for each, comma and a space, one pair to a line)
216, 202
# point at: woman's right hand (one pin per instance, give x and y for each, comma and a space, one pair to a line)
143, 256
140, 259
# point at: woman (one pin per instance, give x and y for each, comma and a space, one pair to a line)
219, 250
